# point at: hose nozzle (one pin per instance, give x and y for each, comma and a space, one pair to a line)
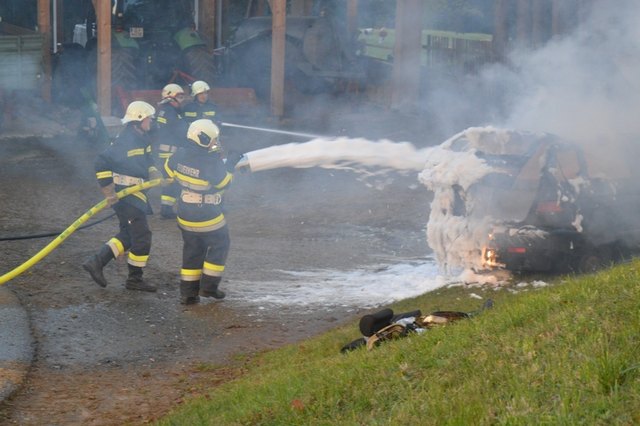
243, 164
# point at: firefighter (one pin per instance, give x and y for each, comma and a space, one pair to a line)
203, 177
127, 162
170, 135
201, 106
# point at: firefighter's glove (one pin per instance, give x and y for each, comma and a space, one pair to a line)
154, 174
232, 159
109, 193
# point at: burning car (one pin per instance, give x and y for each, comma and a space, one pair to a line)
530, 202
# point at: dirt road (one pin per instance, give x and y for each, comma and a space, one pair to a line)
112, 356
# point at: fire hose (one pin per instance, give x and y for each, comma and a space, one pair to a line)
72, 228
54, 233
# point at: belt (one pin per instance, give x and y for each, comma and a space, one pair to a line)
195, 198
126, 180
167, 148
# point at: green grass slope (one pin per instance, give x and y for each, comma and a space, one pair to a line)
567, 353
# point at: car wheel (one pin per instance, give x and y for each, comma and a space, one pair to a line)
594, 260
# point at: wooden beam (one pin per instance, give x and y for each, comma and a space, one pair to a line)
103, 82
279, 13
501, 29
407, 51
44, 27
207, 24
352, 16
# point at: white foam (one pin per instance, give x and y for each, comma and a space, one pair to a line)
356, 288
339, 153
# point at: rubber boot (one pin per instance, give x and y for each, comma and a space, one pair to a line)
166, 212
209, 287
96, 263
189, 292
135, 281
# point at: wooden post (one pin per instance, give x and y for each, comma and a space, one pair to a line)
103, 82
279, 11
352, 16
44, 27
501, 29
407, 52
207, 24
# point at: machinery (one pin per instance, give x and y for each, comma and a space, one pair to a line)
151, 39
319, 55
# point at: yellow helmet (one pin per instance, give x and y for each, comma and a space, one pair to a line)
204, 133
199, 87
171, 90
138, 111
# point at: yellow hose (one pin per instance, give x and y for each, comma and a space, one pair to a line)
71, 229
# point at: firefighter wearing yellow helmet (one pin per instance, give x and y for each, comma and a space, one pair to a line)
203, 176
169, 136
201, 106
127, 162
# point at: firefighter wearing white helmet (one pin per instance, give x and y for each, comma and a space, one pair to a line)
201, 106
169, 136
203, 176
171, 91
127, 162
199, 87
138, 111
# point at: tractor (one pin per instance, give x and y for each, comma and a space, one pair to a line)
319, 55
151, 41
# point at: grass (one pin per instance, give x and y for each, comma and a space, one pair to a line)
564, 354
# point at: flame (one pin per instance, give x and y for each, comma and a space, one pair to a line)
489, 258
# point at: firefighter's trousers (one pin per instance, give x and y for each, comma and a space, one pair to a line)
134, 234
205, 251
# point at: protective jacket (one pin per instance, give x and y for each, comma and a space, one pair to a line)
127, 162
171, 131
196, 110
203, 177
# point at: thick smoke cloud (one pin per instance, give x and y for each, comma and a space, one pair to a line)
583, 86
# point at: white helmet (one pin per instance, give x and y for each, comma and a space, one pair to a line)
138, 111
203, 132
199, 87
171, 90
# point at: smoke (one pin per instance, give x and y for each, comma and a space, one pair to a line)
583, 86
